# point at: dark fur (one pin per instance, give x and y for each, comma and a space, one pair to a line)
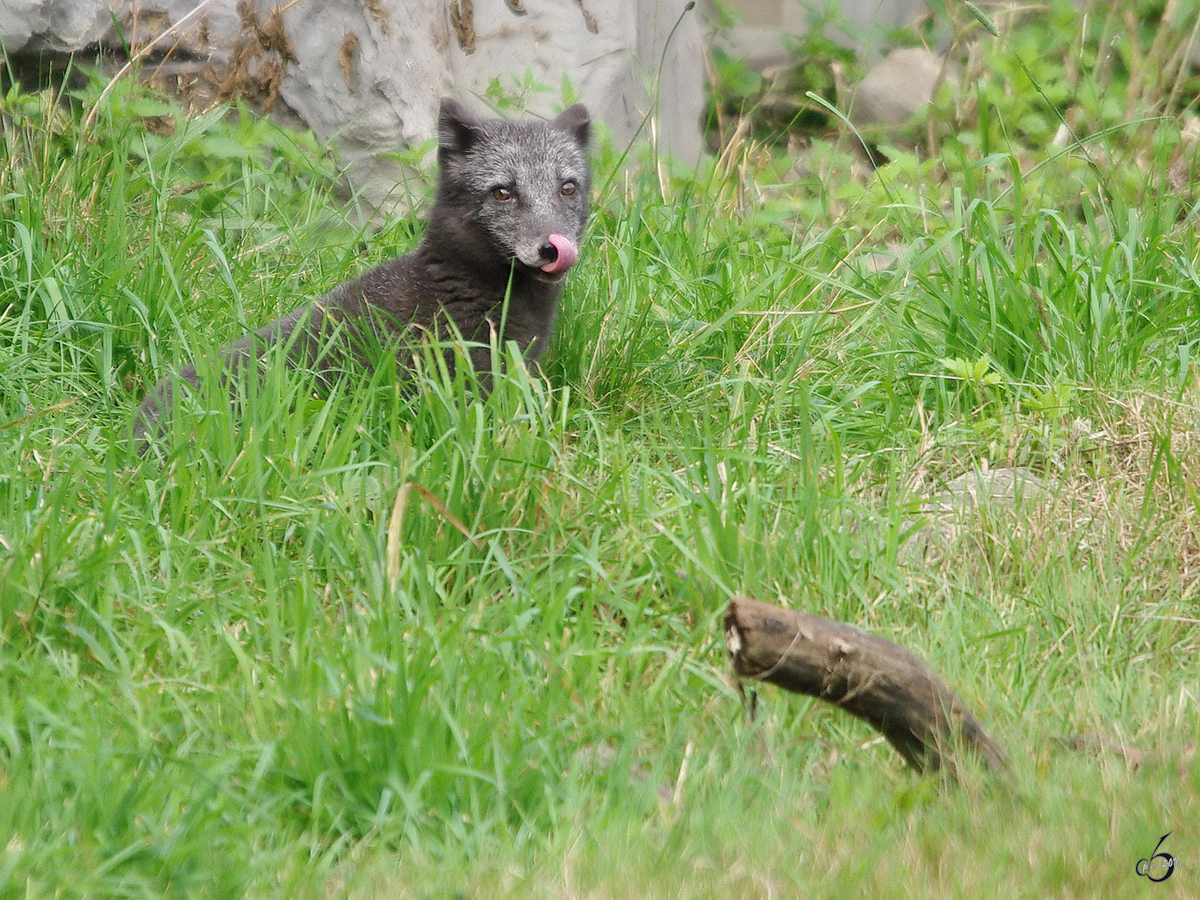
479, 248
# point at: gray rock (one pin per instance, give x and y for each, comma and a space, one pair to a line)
965, 498
764, 29
1009, 486
894, 94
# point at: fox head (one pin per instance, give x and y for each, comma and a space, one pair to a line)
519, 188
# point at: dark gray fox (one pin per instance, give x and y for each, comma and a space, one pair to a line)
505, 227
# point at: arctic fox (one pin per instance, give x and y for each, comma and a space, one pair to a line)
504, 229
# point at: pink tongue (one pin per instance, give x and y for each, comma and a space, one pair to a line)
567, 254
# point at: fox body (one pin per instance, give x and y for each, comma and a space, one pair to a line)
504, 229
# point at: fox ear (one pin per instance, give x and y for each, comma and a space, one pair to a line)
458, 130
575, 121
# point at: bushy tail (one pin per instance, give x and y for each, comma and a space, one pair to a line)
300, 335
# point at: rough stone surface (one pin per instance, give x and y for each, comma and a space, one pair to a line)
1010, 485
894, 93
1004, 489
368, 73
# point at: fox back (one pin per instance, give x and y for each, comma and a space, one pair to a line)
504, 230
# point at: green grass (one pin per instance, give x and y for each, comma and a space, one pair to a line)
417, 644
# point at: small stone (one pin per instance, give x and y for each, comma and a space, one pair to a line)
892, 96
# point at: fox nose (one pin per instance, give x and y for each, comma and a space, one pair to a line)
548, 252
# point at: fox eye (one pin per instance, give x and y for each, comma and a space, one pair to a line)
502, 194
569, 188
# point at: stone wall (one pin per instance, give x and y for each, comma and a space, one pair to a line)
368, 74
